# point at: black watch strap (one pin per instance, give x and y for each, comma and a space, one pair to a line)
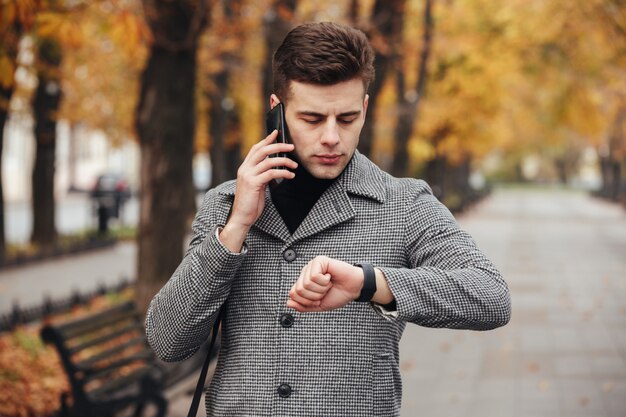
369, 282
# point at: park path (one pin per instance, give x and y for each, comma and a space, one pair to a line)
563, 255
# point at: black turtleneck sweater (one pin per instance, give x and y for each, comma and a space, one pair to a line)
295, 198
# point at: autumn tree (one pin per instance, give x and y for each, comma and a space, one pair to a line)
223, 56
408, 99
385, 33
10, 32
277, 22
165, 122
45, 108
16, 19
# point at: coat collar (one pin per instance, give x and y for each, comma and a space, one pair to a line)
360, 177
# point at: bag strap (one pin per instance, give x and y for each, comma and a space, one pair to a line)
193, 409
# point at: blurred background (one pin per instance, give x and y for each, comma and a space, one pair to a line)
117, 116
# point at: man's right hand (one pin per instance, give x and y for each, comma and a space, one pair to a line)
256, 171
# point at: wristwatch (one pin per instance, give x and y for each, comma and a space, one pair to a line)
369, 282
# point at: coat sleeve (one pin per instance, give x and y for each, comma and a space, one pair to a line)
449, 282
180, 316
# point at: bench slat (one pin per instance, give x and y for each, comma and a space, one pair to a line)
97, 321
105, 338
91, 374
119, 383
89, 362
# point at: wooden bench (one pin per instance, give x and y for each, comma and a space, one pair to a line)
108, 362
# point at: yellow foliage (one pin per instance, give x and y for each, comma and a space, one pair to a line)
421, 150
129, 31
8, 13
62, 27
7, 71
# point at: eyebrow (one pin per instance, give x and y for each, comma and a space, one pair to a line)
316, 114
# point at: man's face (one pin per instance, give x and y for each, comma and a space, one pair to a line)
324, 124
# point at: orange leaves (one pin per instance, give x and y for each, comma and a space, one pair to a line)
66, 28
31, 375
7, 70
31, 378
129, 31
21, 12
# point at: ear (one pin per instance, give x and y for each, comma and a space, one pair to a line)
365, 103
274, 100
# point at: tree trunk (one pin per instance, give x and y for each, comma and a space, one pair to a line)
277, 22
385, 34
435, 176
5, 99
616, 173
225, 153
605, 173
165, 122
45, 107
408, 102
353, 12
72, 159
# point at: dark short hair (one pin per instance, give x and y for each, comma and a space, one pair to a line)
322, 53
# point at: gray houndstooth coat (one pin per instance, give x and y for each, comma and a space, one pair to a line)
275, 361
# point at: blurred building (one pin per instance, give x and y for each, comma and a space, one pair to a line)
82, 155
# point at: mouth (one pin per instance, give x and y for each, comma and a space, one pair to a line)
328, 159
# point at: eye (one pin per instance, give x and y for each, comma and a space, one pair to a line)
311, 121
347, 121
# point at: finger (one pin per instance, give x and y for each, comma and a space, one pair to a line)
294, 296
269, 163
307, 294
266, 150
263, 142
272, 174
302, 308
319, 265
322, 280
317, 284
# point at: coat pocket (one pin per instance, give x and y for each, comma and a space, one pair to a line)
386, 383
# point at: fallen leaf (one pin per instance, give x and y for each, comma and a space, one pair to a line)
608, 386
533, 367
407, 365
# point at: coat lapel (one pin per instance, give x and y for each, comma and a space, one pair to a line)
332, 208
270, 221
361, 177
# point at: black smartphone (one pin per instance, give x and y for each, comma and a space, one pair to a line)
275, 120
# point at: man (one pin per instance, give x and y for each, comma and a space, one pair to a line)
319, 274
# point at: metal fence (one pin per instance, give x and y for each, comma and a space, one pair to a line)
23, 315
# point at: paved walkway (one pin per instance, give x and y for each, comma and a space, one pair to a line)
58, 278
563, 354
563, 255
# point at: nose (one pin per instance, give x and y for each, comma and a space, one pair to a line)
330, 135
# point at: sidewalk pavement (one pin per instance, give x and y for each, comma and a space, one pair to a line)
563, 255
59, 277
563, 353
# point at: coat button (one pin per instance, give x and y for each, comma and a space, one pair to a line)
284, 390
290, 255
286, 320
